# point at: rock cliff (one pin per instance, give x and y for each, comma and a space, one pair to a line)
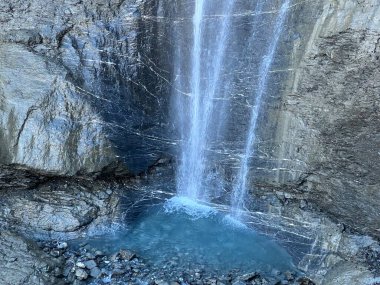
329, 120
78, 91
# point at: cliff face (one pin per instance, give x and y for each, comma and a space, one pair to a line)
45, 123
76, 94
85, 85
329, 121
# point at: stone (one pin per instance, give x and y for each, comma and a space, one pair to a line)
303, 204
161, 282
78, 282
249, 276
90, 264
55, 253
95, 272
89, 255
126, 254
80, 264
289, 276
118, 271
81, 274
62, 245
305, 281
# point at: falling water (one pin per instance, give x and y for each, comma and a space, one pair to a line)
206, 64
240, 187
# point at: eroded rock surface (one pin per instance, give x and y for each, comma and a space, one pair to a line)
44, 122
79, 86
23, 263
59, 209
328, 125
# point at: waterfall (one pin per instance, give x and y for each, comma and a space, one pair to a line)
196, 109
201, 79
240, 187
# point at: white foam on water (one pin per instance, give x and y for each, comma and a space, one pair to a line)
188, 206
231, 221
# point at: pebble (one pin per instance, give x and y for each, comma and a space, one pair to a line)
118, 271
95, 272
126, 254
289, 276
62, 245
80, 264
161, 282
81, 274
90, 255
250, 276
303, 204
90, 264
55, 253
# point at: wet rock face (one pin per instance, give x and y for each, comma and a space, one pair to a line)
77, 91
329, 120
59, 209
45, 123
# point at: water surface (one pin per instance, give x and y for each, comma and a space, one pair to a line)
182, 233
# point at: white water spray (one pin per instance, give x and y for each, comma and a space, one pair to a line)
206, 64
240, 187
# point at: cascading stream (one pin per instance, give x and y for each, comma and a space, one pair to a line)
240, 186
206, 65
192, 163
201, 81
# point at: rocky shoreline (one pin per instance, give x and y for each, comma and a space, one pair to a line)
88, 265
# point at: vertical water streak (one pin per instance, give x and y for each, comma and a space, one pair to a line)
191, 162
240, 187
206, 64
221, 115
